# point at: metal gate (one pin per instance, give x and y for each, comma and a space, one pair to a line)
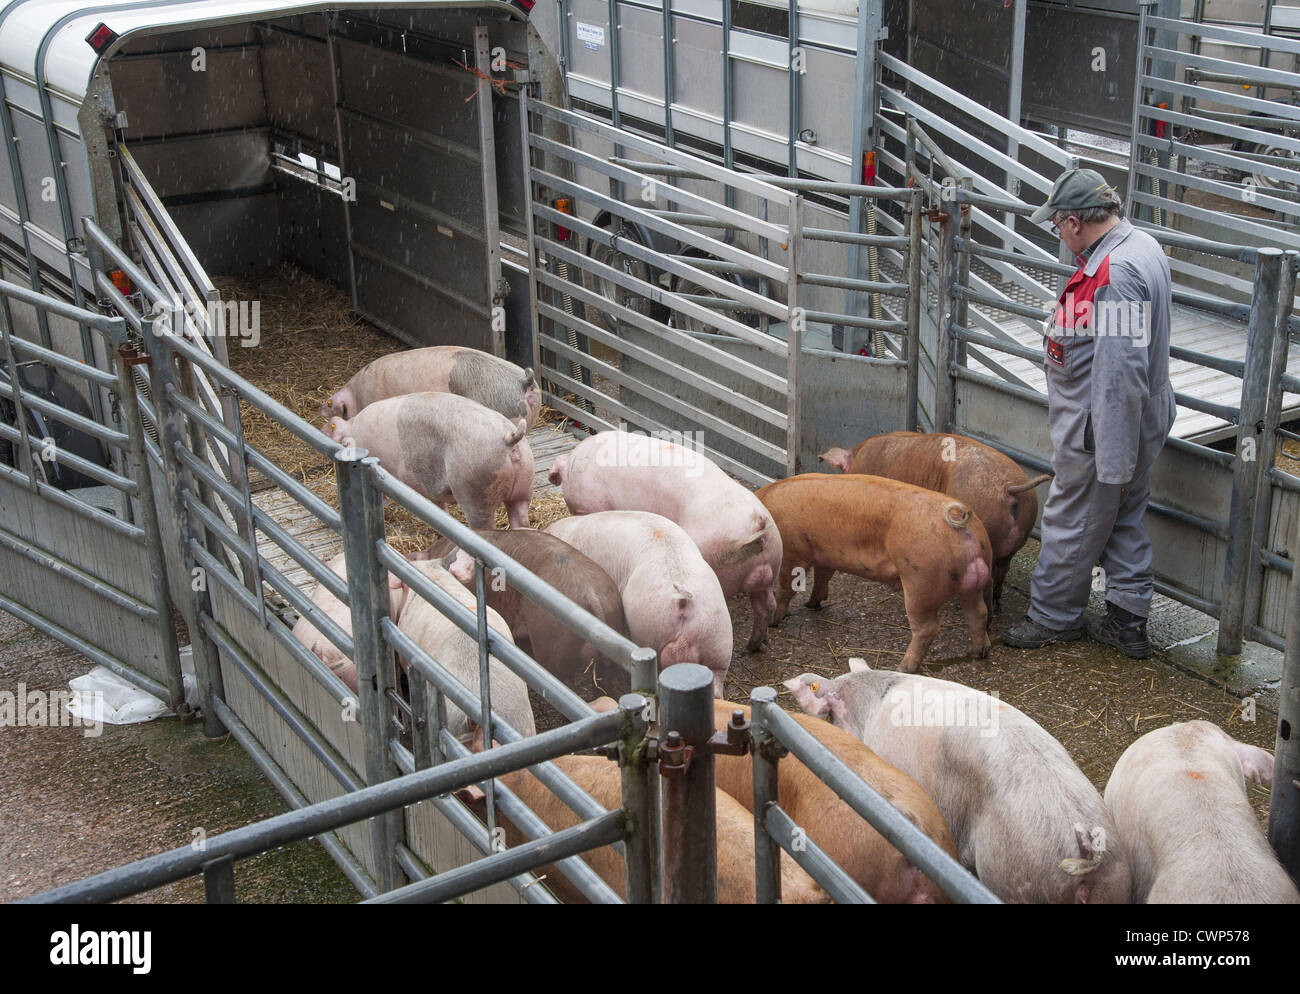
663, 324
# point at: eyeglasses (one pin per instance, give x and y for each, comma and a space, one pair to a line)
1057, 226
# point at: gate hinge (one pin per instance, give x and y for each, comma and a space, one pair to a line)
133, 354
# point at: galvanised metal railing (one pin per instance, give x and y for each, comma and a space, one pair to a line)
189, 427
215, 860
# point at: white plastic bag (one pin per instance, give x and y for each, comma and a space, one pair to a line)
103, 696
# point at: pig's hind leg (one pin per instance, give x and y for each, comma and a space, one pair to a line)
923, 620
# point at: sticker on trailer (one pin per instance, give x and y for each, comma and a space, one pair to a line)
592, 36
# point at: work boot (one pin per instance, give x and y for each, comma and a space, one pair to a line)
1029, 634
1124, 630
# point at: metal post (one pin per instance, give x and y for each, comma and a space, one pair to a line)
245, 521
1284, 804
484, 687
138, 468
1015, 79
864, 121
915, 291
962, 310
361, 505
197, 602
794, 337
690, 858
1241, 556
1133, 210
1267, 455
219, 880
496, 286
639, 783
945, 387
24, 451
767, 792
336, 90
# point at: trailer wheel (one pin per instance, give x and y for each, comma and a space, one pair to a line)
685, 322
607, 288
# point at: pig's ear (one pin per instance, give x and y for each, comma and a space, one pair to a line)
837, 458
1256, 763
857, 665
394, 581
601, 705
805, 688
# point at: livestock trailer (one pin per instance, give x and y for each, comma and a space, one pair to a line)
444, 167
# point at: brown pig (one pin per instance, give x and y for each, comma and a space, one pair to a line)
926, 543
560, 650
601, 779
978, 475
878, 868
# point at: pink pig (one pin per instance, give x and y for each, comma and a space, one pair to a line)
451, 450
618, 470
498, 385
672, 599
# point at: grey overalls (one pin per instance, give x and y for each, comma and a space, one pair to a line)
1110, 408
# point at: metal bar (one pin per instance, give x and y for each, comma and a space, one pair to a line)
368, 802
219, 880
46, 451
915, 292
686, 375
767, 793
501, 866
830, 317
1267, 439
1284, 800
63, 568
488, 174
719, 425
575, 870
924, 853
331, 843
725, 174
796, 317
92, 652
945, 387
1250, 39
689, 813
988, 341
97, 376
138, 467
294, 720
809, 855
195, 601
361, 505
854, 238
865, 286
706, 210
697, 347
1246, 471
641, 852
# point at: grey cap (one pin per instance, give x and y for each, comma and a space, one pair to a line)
1075, 189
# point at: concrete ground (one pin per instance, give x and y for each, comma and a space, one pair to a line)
72, 805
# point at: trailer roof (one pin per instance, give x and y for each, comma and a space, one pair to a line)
53, 32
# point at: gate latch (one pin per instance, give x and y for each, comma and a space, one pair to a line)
133, 354
674, 756
734, 739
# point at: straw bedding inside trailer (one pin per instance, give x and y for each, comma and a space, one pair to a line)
311, 344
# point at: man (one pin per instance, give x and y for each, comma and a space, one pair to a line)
1109, 408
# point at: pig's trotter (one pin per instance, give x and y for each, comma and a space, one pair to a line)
821, 587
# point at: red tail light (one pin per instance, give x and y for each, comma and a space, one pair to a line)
1161, 125
869, 169
103, 36
122, 283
